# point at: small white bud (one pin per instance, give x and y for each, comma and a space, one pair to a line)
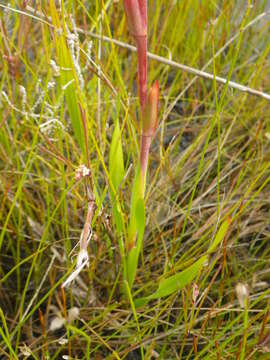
242, 294
81, 172
195, 293
25, 351
73, 314
63, 341
57, 323
55, 68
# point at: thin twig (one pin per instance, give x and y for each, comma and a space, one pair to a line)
33, 13
220, 51
186, 68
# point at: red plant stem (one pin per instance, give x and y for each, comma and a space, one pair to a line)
141, 42
143, 7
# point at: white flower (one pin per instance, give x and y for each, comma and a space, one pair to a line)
81, 172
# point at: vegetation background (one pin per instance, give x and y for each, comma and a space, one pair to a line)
209, 162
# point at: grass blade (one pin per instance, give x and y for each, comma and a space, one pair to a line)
220, 235
178, 281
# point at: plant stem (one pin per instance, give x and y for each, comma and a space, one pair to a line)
144, 155
141, 42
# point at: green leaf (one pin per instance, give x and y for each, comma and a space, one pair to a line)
117, 172
133, 255
220, 235
135, 196
140, 217
116, 160
131, 266
178, 281
141, 302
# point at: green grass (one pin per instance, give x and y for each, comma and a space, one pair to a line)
210, 161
